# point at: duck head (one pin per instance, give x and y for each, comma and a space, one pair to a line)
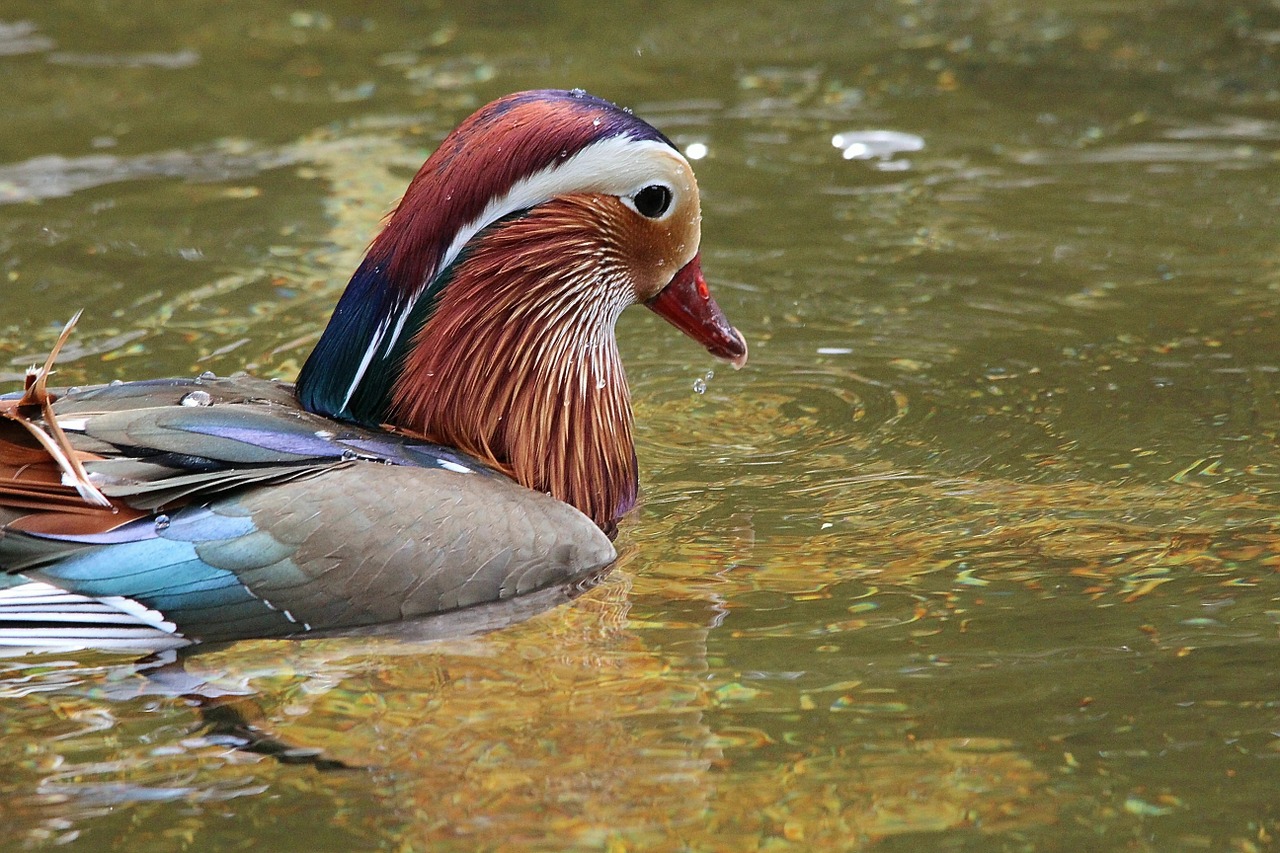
483, 314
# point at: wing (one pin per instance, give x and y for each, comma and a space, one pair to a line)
234, 513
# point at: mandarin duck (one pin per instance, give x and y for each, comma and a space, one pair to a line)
461, 433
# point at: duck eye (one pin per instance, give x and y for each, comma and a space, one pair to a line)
653, 200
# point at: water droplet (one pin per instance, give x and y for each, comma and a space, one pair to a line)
349, 455
600, 383
207, 375
578, 93
595, 122
116, 382
162, 522
74, 389
699, 386
197, 398
711, 374
324, 433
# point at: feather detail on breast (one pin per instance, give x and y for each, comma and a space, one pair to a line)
511, 369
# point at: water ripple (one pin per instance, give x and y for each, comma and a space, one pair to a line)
55, 176
172, 61
20, 37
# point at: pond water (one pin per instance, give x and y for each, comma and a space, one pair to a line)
979, 552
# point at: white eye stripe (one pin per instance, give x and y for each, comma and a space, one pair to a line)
618, 165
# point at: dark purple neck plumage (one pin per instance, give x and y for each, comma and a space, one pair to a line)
501, 361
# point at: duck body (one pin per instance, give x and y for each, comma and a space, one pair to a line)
460, 435
248, 516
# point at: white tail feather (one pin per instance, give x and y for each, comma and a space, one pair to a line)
40, 616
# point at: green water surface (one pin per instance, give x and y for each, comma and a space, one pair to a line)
979, 552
